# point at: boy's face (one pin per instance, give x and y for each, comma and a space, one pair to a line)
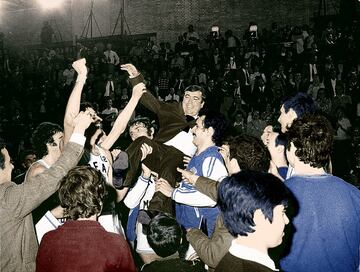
138, 130
273, 232
286, 118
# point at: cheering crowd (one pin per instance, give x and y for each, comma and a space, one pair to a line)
239, 157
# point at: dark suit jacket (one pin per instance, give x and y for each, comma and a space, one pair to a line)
18, 244
172, 119
231, 263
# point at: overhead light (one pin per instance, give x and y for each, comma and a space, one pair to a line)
50, 4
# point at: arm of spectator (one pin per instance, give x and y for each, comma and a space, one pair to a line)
124, 117
73, 105
148, 100
211, 251
23, 199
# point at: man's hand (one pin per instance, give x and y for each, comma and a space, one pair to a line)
82, 121
131, 69
225, 153
266, 134
80, 67
115, 152
188, 176
164, 187
58, 212
186, 161
145, 151
138, 90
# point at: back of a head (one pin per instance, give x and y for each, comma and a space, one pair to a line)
81, 192
218, 122
301, 103
165, 235
241, 194
312, 135
43, 135
250, 153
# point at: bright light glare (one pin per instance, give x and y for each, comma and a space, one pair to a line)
50, 4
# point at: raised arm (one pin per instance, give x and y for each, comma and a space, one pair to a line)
147, 100
24, 198
124, 117
73, 105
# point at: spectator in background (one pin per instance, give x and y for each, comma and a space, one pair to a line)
27, 158
111, 58
82, 243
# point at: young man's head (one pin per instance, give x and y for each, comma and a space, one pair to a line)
277, 145
165, 235
209, 128
141, 126
193, 100
247, 153
294, 107
253, 205
48, 139
81, 192
310, 141
6, 165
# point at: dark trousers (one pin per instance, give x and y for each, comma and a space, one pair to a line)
163, 160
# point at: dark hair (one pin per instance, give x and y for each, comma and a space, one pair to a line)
250, 153
218, 122
312, 135
81, 192
241, 194
281, 139
301, 103
85, 105
2, 157
196, 88
165, 235
148, 124
43, 135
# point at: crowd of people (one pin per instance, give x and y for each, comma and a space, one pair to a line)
205, 155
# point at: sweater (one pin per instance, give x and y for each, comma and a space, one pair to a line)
83, 246
327, 236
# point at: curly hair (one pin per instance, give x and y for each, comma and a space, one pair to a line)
218, 123
43, 135
250, 153
312, 135
81, 192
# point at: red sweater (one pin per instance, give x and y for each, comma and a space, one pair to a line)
83, 246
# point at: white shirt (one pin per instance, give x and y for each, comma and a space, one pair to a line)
111, 57
251, 254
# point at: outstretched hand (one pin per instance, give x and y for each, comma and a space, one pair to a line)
188, 176
138, 90
131, 69
164, 187
82, 121
266, 134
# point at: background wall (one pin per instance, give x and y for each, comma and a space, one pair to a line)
168, 18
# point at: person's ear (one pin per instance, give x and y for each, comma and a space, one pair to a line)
258, 218
152, 131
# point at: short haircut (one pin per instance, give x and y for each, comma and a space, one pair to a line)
250, 153
165, 235
241, 194
218, 122
81, 192
195, 88
148, 124
2, 157
312, 135
301, 103
281, 139
43, 135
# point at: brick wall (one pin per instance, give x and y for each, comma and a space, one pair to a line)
168, 18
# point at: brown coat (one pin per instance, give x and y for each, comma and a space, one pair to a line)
18, 244
210, 250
